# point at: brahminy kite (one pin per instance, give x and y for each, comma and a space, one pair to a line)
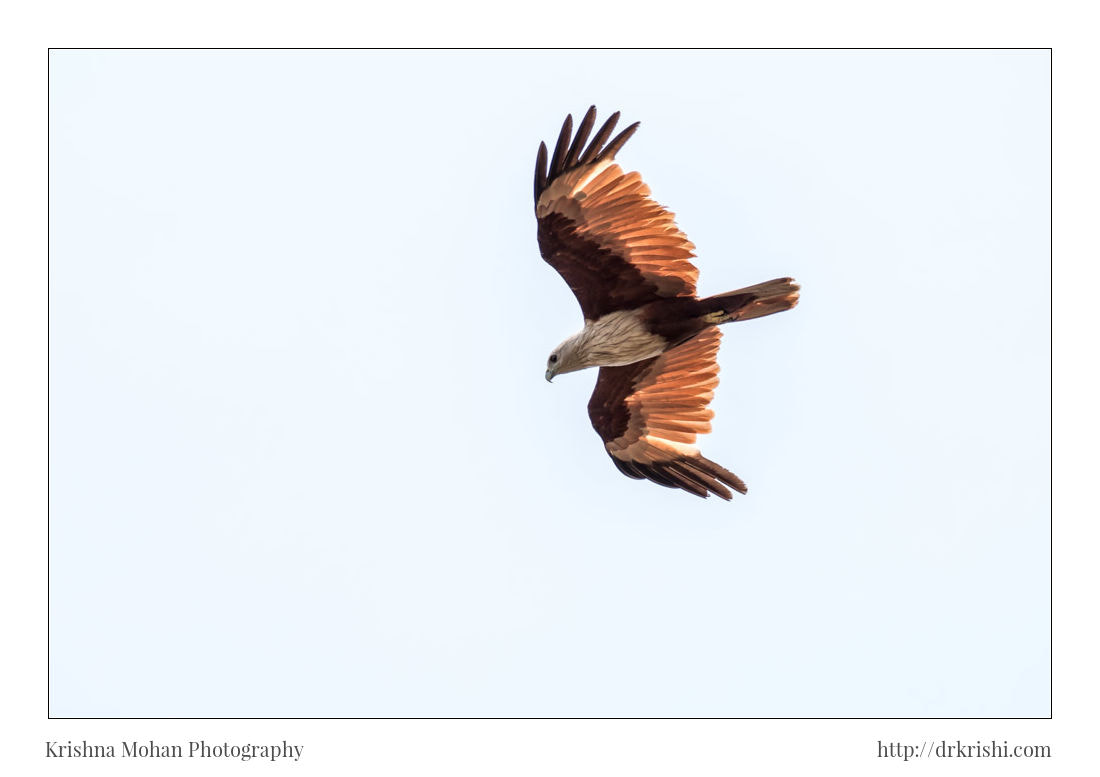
654, 340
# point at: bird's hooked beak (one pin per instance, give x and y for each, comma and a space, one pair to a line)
550, 373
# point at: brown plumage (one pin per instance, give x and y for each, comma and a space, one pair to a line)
654, 340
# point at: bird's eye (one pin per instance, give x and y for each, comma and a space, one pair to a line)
553, 358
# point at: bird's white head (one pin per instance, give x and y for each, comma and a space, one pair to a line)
567, 357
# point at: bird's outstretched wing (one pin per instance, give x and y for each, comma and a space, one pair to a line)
615, 246
648, 414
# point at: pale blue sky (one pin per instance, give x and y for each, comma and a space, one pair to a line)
304, 461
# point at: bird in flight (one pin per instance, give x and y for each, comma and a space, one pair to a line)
654, 340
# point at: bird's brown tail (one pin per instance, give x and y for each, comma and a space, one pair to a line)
763, 299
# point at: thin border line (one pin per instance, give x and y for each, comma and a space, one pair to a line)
570, 48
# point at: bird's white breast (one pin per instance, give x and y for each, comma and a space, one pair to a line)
619, 338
